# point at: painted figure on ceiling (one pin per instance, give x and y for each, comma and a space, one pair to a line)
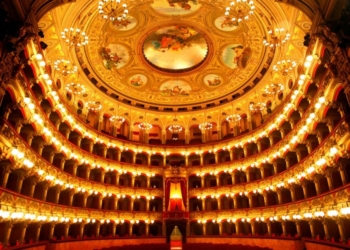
183, 4
242, 55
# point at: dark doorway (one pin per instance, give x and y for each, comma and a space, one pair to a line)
181, 225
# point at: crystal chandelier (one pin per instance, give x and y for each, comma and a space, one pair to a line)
145, 126
175, 129
233, 118
284, 66
273, 89
278, 37
75, 88
65, 67
112, 10
257, 107
205, 126
240, 10
117, 119
74, 37
93, 106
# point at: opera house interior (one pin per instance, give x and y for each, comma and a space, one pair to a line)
175, 124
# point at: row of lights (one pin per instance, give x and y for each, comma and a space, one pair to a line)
97, 106
44, 218
307, 63
249, 139
317, 214
320, 162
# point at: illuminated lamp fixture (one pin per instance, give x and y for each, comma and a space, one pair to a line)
257, 107
233, 118
74, 37
273, 88
65, 67
284, 66
175, 128
240, 10
75, 88
277, 37
205, 126
93, 106
112, 10
117, 119
145, 126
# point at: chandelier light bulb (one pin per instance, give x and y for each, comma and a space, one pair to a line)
273, 89
205, 126
240, 10
284, 66
233, 118
277, 37
257, 107
65, 67
117, 119
113, 10
145, 126
175, 128
93, 106
75, 88
74, 37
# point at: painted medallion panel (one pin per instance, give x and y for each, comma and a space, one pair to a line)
212, 80
236, 56
175, 88
125, 24
138, 80
225, 23
176, 7
114, 56
175, 48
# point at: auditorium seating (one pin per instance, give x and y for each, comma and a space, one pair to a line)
139, 247
207, 246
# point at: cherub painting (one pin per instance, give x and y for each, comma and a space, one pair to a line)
212, 80
125, 24
176, 7
175, 47
236, 56
174, 38
114, 56
183, 4
175, 88
138, 80
225, 23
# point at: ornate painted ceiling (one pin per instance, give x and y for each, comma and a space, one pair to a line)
172, 53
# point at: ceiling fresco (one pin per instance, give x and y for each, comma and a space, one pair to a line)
186, 51
175, 48
173, 52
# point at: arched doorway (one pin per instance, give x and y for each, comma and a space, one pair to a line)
176, 239
181, 227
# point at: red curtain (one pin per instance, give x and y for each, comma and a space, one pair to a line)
183, 190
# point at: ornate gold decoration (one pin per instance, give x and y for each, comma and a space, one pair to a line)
75, 88
277, 37
112, 10
65, 67
240, 10
74, 37
285, 66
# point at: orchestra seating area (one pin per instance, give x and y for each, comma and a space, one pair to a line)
139, 247
206, 246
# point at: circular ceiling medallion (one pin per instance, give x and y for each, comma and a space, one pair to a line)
176, 48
